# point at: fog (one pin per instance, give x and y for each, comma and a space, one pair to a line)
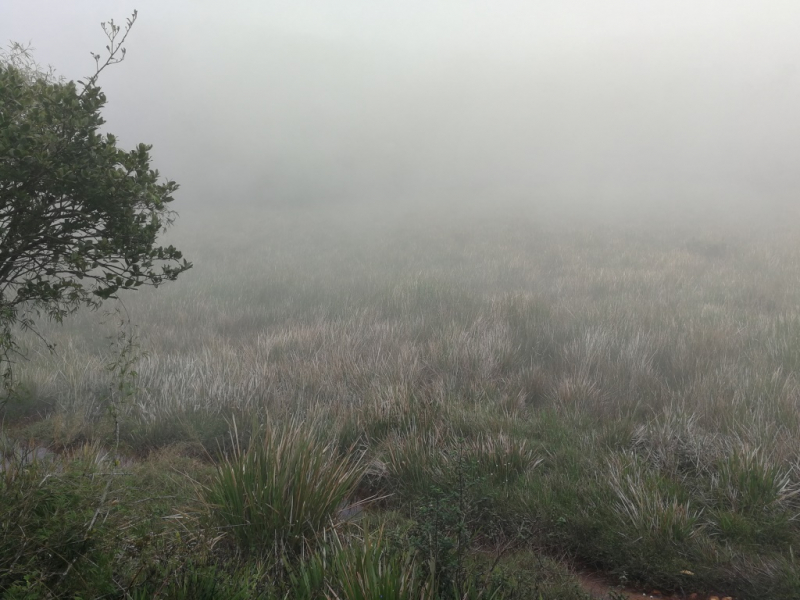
582, 104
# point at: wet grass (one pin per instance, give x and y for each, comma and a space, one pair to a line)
618, 397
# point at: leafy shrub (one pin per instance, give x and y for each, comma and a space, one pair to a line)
47, 539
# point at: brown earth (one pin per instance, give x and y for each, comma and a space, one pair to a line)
602, 589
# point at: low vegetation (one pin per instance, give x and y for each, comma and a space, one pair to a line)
282, 493
340, 407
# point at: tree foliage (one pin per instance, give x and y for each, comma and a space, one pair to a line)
79, 217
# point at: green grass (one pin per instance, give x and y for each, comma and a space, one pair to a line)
360, 570
283, 493
517, 395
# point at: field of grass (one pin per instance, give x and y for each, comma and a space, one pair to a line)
331, 406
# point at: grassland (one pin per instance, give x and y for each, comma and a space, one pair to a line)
517, 394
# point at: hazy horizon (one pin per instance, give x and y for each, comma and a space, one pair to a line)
575, 104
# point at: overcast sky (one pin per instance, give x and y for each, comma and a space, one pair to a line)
388, 100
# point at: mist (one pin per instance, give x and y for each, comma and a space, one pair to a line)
481, 294
548, 104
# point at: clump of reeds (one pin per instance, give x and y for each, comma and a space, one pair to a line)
283, 492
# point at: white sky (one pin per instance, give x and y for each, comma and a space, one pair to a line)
316, 100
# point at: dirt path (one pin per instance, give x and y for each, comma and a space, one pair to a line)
602, 589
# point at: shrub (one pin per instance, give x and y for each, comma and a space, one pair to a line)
47, 542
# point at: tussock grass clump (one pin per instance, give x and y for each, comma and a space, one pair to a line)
749, 480
419, 463
415, 463
360, 570
282, 493
502, 458
645, 505
675, 443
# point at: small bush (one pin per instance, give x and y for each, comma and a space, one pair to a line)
46, 543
